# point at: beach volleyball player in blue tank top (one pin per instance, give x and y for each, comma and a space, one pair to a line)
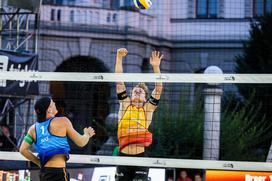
49, 134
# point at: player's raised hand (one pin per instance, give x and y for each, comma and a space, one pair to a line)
155, 59
89, 131
121, 52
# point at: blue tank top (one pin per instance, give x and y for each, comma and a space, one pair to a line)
48, 145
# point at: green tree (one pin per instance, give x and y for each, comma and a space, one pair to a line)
257, 58
240, 132
178, 134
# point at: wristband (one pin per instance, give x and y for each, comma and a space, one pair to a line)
153, 101
122, 95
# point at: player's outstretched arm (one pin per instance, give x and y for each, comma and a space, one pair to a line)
155, 61
78, 139
120, 54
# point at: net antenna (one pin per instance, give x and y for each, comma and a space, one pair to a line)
19, 24
269, 156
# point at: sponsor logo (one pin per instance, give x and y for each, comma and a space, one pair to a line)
158, 162
257, 178
228, 165
35, 76
230, 78
98, 77
13, 67
97, 160
162, 77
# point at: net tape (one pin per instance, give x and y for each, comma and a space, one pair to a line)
154, 162
138, 77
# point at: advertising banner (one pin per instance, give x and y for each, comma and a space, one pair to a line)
18, 62
216, 175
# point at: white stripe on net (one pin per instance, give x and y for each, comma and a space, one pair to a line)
137, 77
154, 162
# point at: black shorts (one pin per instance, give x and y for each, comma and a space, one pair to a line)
131, 173
54, 174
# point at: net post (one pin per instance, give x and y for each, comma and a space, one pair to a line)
212, 107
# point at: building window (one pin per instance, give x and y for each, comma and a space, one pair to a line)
52, 17
70, 2
59, 15
78, 17
72, 16
96, 18
59, 2
262, 7
115, 4
84, 17
114, 18
206, 8
128, 3
90, 16
105, 4
108, 17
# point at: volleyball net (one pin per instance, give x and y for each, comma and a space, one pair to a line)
207, 123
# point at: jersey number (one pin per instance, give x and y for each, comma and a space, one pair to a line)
42, 129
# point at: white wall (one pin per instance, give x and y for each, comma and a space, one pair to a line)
89, 3
179, 10
162, 10
210, 30
96, 16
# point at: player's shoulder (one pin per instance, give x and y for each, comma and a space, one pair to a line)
32, 127
62, 120
31, 130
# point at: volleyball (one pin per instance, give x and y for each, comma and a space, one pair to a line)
142, 4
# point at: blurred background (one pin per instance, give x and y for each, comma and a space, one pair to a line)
216, 122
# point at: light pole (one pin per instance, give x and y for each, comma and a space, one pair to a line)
212, 107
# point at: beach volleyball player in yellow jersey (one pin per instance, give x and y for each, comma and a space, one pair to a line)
134, 117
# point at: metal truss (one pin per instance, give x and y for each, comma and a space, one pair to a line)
18, 29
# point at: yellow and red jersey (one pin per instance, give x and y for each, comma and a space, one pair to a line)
132, 128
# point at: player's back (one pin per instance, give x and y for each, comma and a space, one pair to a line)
51, 142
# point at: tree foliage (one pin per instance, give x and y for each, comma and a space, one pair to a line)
179, 134
240, 132
257, 58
